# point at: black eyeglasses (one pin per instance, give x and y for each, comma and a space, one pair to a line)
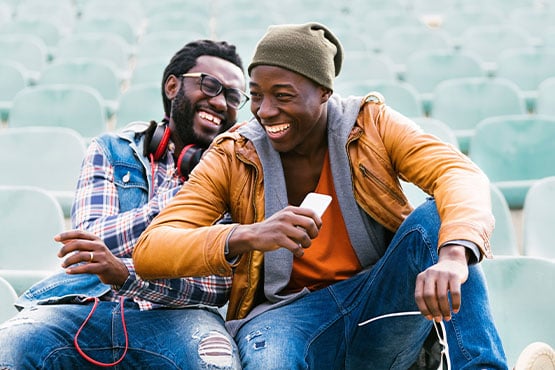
211, 86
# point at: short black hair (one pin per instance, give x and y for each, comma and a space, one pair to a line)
186, 58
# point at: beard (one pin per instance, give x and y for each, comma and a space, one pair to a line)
182, 113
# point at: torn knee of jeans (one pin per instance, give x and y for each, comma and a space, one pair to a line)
216, 349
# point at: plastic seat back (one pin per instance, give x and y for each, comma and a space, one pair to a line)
139, 103
514, 152
29, 219
463, 102
46, 157
521, 296
13, 79
77, 107
545, 102
537, 220
503, 240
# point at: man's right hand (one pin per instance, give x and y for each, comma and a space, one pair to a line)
292, 228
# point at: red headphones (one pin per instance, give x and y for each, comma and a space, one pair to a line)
188, 158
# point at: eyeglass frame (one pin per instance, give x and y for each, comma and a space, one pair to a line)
222, 88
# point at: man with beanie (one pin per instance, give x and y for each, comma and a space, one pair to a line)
99, 311
361, 286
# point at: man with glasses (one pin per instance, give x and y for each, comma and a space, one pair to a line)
302, 282
99, 312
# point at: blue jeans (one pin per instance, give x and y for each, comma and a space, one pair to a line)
320, 331
41, 337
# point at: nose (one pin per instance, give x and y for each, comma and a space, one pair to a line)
219, 102
265, 109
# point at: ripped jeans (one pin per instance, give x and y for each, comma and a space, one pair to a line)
320, 330
41, 337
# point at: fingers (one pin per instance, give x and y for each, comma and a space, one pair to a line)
69, 235
432, 296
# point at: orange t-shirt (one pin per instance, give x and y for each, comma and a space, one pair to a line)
331, 257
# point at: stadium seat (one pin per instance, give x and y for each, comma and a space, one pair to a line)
29, 219
46, 157
47, 30
398, 43
97, 45
426, 68
463, 102
78, 107
534, 19
159, 46
515, 152
61, 12
399, 95
149, 70
489, 41
521, 296
8, 296
131, 10
537, 216
527, 68
376, 21
184, 22
140, 103
503, 240
458, 19
361, 66
97, 74
12, 75
114, 24
545, 102
30, 51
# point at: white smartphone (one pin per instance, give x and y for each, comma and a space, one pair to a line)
316, 202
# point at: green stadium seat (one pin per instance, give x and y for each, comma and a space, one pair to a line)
97, 74
74, 106
427, 68
29, 219
488, 41
28, 50
13, 77
141, 102
521, 296
503, 240
537, 219
545, 102
515, 152
527, 68
399, 95
45, 157
463, 102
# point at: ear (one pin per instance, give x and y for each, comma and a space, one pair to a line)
326, 94
172, 86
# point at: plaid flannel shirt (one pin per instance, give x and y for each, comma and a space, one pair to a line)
96, 209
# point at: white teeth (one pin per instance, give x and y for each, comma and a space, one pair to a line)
277, 128
209, 117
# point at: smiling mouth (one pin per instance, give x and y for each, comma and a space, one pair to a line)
276, 129
209, 117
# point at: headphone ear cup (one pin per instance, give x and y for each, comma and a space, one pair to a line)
188, 159
159, 141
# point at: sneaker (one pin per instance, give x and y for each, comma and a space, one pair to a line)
536, 356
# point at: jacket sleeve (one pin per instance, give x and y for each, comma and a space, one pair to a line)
183, 240
460, 188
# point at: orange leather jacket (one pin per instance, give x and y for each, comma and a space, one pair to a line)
183, 240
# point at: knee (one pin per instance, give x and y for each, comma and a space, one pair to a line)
217, 350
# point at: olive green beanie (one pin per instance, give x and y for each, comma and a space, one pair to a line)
309, 49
